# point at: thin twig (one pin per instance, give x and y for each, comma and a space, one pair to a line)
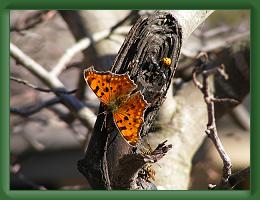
224, 100
18, 80
211, 130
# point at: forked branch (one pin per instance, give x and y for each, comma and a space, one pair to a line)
209, 99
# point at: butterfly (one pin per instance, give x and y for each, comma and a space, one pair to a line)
115, 91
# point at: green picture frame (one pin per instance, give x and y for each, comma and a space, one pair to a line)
7, 5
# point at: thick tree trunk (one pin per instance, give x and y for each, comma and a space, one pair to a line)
147, 43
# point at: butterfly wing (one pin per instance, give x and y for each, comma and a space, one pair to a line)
129, 118
107, 85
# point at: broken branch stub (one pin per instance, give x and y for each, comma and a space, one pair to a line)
149, 40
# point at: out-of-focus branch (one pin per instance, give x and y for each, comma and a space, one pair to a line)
38, 88
34, 67
82, 45
190, 19
32, 19
85, 115
29, 110
241, 115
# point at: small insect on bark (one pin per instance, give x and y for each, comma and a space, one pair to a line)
166, 61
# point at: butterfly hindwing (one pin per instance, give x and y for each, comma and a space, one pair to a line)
129, 118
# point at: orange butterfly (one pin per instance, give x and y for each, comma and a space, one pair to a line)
115, 91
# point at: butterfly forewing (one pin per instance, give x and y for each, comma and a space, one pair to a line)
109, 86
97, 82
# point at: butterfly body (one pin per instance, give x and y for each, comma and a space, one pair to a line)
115, 91
114, 105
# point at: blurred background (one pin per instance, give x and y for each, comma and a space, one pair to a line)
43, 141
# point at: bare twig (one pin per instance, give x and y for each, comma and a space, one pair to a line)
211, 130
40, 89
224, 100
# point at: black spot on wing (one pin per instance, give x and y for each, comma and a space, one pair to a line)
122, 128
96, 89
119, 121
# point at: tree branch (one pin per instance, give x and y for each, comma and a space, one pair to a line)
209, 99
